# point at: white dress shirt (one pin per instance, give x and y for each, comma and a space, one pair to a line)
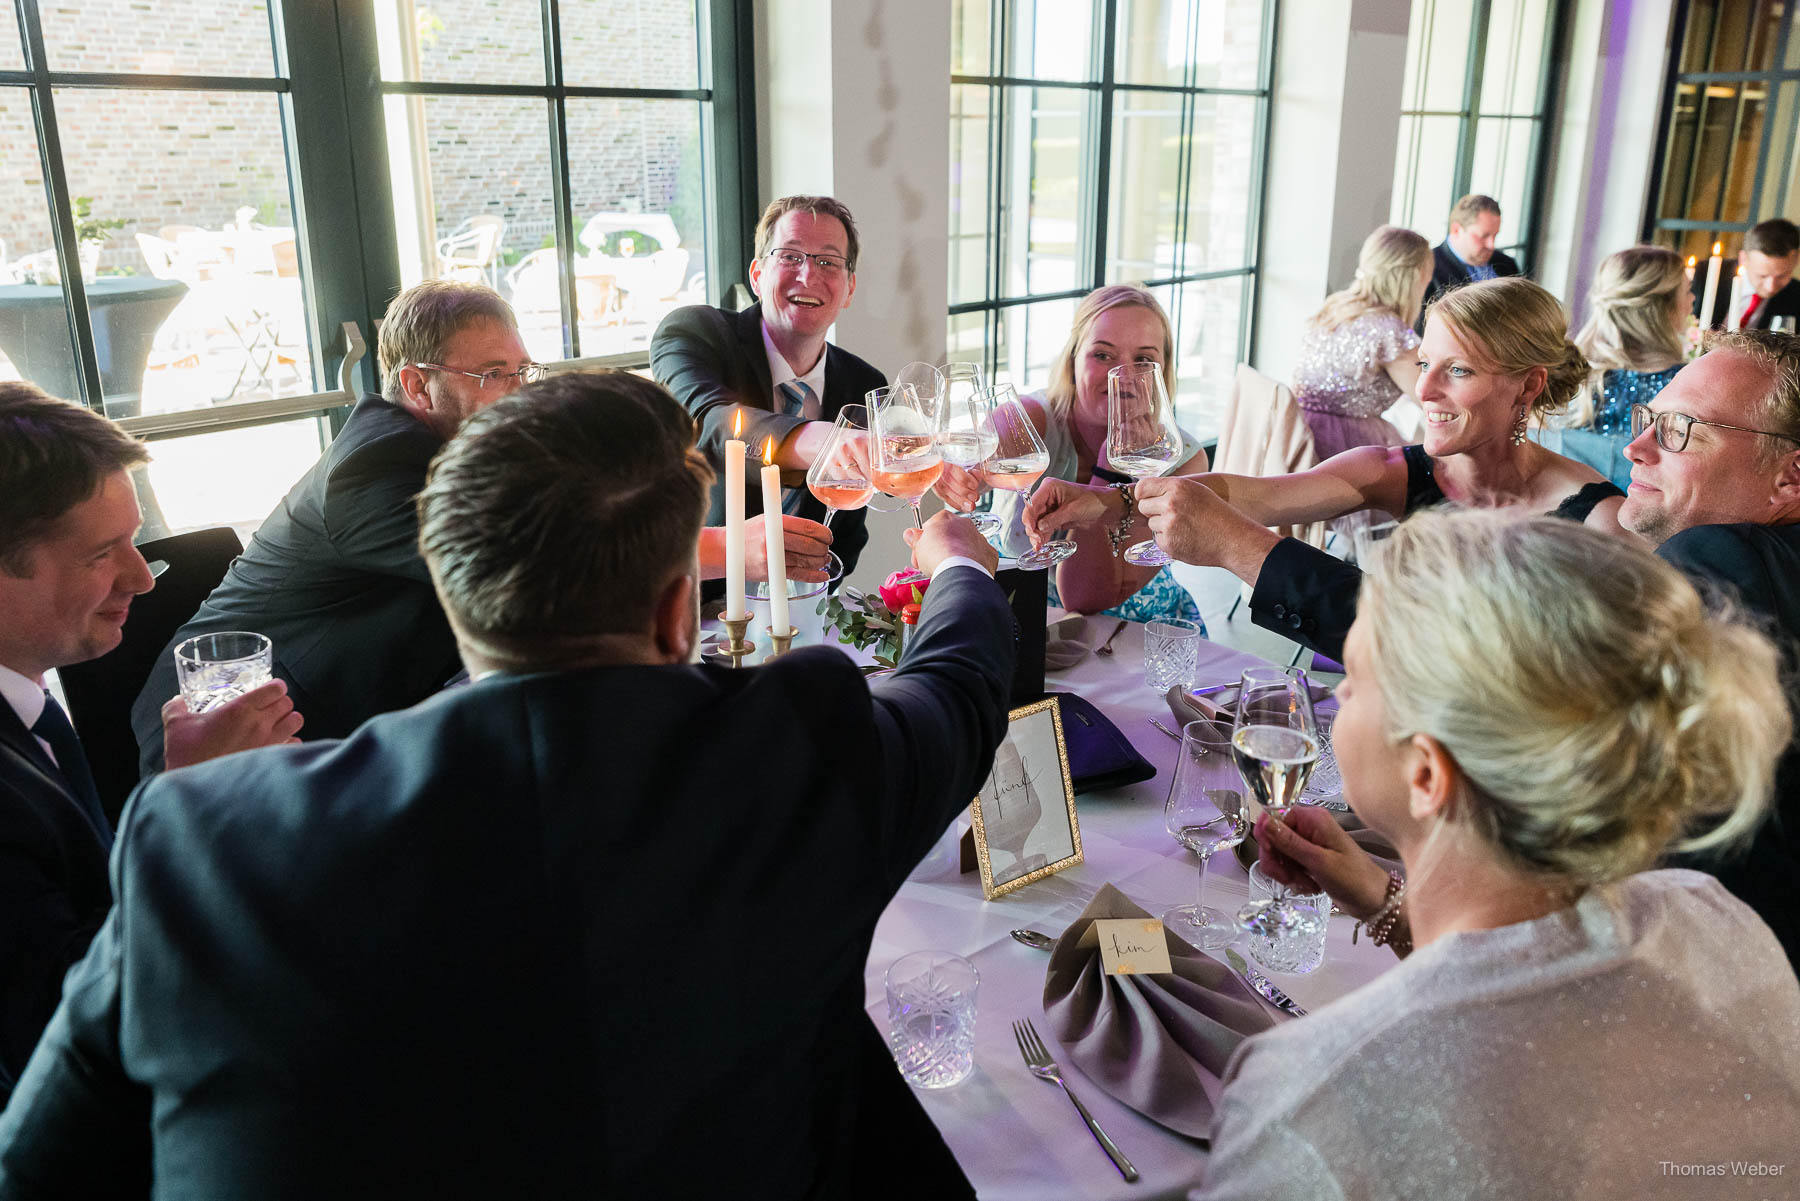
26, 696
780, 372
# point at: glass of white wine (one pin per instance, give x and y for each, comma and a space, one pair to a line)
1018, 461
968, 434
1142, 439
1197, 820
1275, 743
839, 477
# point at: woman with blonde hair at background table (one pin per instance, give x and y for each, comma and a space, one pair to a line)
1635, 341
1533, 713
1120, 323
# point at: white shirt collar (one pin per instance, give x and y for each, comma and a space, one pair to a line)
25, 695
780, 372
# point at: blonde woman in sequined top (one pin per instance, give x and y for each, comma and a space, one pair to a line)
1356, 357
1533, 713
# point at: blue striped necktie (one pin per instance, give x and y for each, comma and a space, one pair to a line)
794, 395
53, 727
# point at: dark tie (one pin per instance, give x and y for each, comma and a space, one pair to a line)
794, 396
54, 728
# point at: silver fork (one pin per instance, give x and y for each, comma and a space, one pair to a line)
1037, 1058
1106, 647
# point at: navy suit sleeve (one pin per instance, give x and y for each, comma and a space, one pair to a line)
695, 355
939, 717
1309, 596
77, 1126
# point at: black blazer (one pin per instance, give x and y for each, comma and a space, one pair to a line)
1448, 271
1785, 303
593, 933
1758, 566
53, 890
713, 361
335, 579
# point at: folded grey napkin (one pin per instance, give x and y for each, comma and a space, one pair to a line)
1069, 640
1158, 1043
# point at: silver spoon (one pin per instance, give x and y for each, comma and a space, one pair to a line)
1032, 938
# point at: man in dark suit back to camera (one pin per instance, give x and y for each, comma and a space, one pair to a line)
68, 573
594, 925
1468, 254
770, 364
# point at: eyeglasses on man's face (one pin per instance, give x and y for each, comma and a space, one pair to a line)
1672, 428
530, 373
827, 264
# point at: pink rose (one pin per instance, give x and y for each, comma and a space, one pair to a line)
903, 588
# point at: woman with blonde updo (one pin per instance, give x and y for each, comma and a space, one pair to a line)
1494, 353
1356, 357
1532, 714
1635, 342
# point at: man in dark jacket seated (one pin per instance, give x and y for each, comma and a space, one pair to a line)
594, 925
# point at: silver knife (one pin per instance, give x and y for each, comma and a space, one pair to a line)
1263, 986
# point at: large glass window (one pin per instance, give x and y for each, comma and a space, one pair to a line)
1084, 153
1729, 125
191, 241
581, 196
1476, 95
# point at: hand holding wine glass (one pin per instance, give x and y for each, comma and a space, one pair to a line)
1275, 743
1019, 459
967, 438
1142, 438
839, 476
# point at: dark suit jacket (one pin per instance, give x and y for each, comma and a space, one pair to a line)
335, 579
586, 934
1448, 271
1785, 303
53, 890
1758, 566
713, 361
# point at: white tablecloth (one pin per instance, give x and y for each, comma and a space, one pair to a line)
1016, 1135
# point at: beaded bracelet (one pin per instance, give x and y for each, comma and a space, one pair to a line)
1118, 536
1386, 926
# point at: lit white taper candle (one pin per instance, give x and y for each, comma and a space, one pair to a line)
1734, 313
1712, 288
734, 521
774, 540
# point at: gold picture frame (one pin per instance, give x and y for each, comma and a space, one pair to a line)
1012, 815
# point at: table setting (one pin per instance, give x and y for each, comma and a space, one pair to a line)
1016, 1135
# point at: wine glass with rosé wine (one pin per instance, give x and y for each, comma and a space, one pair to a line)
1017, 463
839, 476
904, 460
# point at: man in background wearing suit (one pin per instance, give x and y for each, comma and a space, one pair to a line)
594, 925
68, 573
1771, 252
770, 364
1468, 254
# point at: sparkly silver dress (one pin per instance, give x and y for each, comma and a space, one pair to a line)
1342, 387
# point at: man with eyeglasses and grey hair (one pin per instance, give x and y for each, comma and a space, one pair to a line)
770, 364
333, 576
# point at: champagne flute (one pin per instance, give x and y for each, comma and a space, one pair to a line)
968, 437
903, 452
1275, 742
1199, 822
839, 477
1142, 438
1018, 461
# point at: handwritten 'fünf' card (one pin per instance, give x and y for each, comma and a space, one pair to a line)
1132, 946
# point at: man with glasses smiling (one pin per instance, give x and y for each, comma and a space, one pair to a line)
1715, 484
771, 363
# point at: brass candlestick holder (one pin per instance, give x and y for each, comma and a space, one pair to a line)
736, 645
782, 641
